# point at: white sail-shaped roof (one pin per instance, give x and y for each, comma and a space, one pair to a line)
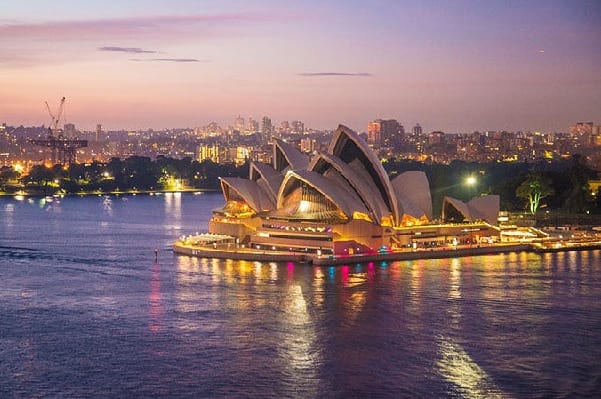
413, 192
340, 195
480, 208
360, 182
353, 150
288, 157
348, 179
247, 190
267, 178
486, 208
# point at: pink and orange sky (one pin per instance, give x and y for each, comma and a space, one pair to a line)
449, 65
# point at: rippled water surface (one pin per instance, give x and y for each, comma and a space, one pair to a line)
85, 311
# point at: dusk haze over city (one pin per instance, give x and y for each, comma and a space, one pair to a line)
300, 199
457, 66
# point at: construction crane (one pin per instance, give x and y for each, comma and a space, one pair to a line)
53, 128
63, 149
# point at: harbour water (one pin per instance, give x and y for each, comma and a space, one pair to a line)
85, 311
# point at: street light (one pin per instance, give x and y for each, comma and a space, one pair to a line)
471, 181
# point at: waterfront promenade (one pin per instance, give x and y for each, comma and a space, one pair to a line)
229, 251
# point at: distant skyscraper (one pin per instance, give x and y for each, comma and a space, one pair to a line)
284, 125
253, 125
69, 129
298, 127
233, 136
98, 131
436, 138
239, 123
267, 128
582, 133
392, 132
581, 128
385, 132
417, 130
374, 133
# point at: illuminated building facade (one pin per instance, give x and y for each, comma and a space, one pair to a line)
417, 130
385, 133
338, 201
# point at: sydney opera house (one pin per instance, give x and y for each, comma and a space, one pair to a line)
341, 201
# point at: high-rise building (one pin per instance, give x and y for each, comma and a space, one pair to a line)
208, 152
596, 135
298, 127
253, 125
582, 133
285, 127
385, 133
98, 131
417, 130
308, 144
232, 136
392, 133
374, 133
242, 155
436, 138
239, 123
581, 128
69, 129
267, 128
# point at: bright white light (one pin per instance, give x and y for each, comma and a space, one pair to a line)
304, 206
470, 181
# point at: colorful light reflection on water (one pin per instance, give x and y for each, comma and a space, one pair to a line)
86, 311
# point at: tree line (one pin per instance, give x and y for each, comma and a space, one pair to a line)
558, 185
136, 173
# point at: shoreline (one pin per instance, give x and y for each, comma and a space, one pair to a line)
116, 193
180, 248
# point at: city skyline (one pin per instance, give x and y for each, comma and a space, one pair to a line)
456, 67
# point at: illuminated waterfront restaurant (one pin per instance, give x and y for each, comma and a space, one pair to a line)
342, 202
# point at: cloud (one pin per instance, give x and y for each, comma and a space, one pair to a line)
134, 50
364, 74
168, 60
70, 39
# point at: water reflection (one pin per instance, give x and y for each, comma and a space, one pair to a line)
465, 320
319, 281
454, 309
296, 342
156, 308
73, 318
173, 209
416, 287
107, 204
187, 293
27, 348
456, 366
353, 293
8, 216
